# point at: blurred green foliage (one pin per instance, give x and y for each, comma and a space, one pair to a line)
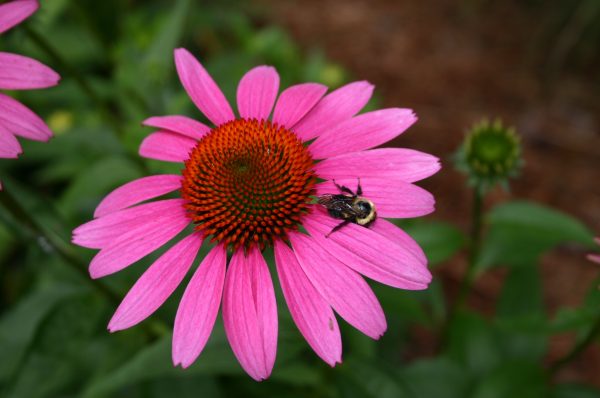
116, 61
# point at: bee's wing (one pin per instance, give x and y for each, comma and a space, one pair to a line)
337, 202
326, 200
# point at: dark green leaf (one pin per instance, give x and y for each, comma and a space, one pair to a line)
513, 379
155, 361
520, 315
159, 57
578, 318
574, 391
95, 181
521, 231
182, 387
435, 378
473, 343
439, 240
365, 379
19, 326
521, 294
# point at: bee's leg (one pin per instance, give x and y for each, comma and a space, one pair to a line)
359, 188
343, 188
337, 227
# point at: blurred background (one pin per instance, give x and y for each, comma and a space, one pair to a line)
534, 64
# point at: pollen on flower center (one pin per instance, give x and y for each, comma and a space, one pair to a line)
248, 182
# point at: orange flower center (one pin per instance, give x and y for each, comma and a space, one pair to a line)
248, 182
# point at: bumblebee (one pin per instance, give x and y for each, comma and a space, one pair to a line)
348, 206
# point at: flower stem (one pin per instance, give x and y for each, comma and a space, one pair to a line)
475, 246
53, 242
469, 277
578, 347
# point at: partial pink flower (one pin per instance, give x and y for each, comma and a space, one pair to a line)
20, 73
248, 183
593, 256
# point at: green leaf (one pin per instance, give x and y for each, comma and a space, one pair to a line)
402, 304
155, 361
59, 355
19, 326
182, 387
362, 378
481, 346
521, 294
521, 231
574, 391
7, 241
435, 378
472, 342
572, 318
522, 339
159, 58
520, 316
95, 182
580, 319
436, 302
42, 376
513, 379
439, 240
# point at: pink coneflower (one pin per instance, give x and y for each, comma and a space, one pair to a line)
249, 184
20, 73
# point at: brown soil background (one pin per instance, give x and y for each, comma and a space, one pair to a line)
455, 62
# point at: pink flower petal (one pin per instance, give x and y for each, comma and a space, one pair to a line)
136, 244
362, 132
155, 286
21, 121
250, 313
398, 163
170, 147
310, 311
105, 230
392, 198
179, 124
14, 12
198, 308
397, 235
257, 91
138, 191
22, 73
368, 252
296, 101
9, 146
334, 109
345, 290
201, 88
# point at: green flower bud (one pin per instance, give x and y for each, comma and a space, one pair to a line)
490, 154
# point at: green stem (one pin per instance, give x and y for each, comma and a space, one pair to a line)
55, 243
475, 246
87, 89
469, 277
578, 347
